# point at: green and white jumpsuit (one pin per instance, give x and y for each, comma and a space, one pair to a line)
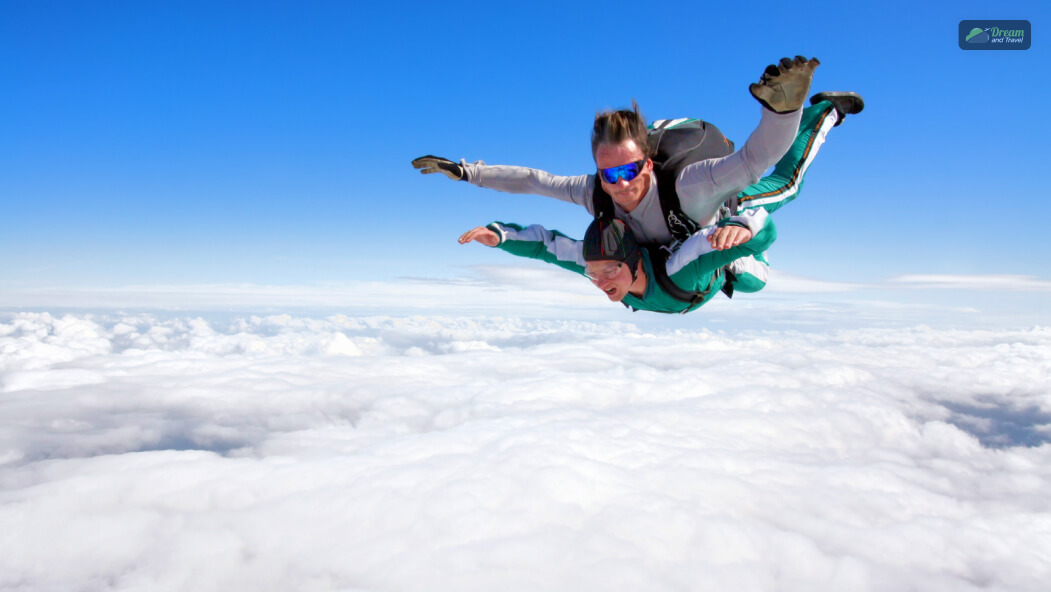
694, 266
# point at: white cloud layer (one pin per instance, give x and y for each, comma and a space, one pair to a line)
540, 291
159, 451
976, 282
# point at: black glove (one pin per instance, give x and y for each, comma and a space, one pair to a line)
437, 164
784, 87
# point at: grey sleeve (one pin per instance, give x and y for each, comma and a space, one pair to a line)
704, 186
516, 179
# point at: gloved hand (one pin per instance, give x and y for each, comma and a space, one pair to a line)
784, 87
437, 164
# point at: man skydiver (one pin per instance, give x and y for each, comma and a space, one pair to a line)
730, 252
625, 170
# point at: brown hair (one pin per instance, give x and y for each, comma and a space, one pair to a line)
615, 127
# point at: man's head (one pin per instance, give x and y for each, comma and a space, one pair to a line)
612, 257
621, 150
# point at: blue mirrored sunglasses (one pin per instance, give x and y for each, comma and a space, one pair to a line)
625, 171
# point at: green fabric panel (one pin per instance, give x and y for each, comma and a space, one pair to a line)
538, 249
787, 169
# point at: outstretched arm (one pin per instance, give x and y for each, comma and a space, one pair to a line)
512, 179
533, 242
516, 179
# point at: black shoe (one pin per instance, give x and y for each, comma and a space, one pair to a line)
731, 279
846, 103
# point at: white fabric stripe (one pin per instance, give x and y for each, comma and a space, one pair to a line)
698, 245
751, 265
818, 141
666, 123
567, 249
564, 249
692, 248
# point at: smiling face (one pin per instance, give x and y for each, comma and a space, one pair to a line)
626, 194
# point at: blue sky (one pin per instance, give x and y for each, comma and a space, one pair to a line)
269, 142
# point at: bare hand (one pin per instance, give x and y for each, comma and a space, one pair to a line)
729, 236
481, 234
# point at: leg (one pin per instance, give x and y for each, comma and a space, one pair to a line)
780, 187
784, 183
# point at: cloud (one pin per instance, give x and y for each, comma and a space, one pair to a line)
781, 281
539, 291
481, 289
974, 282
272, 452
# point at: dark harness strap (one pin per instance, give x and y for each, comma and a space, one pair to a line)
660, 275
679, 224
602, 203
